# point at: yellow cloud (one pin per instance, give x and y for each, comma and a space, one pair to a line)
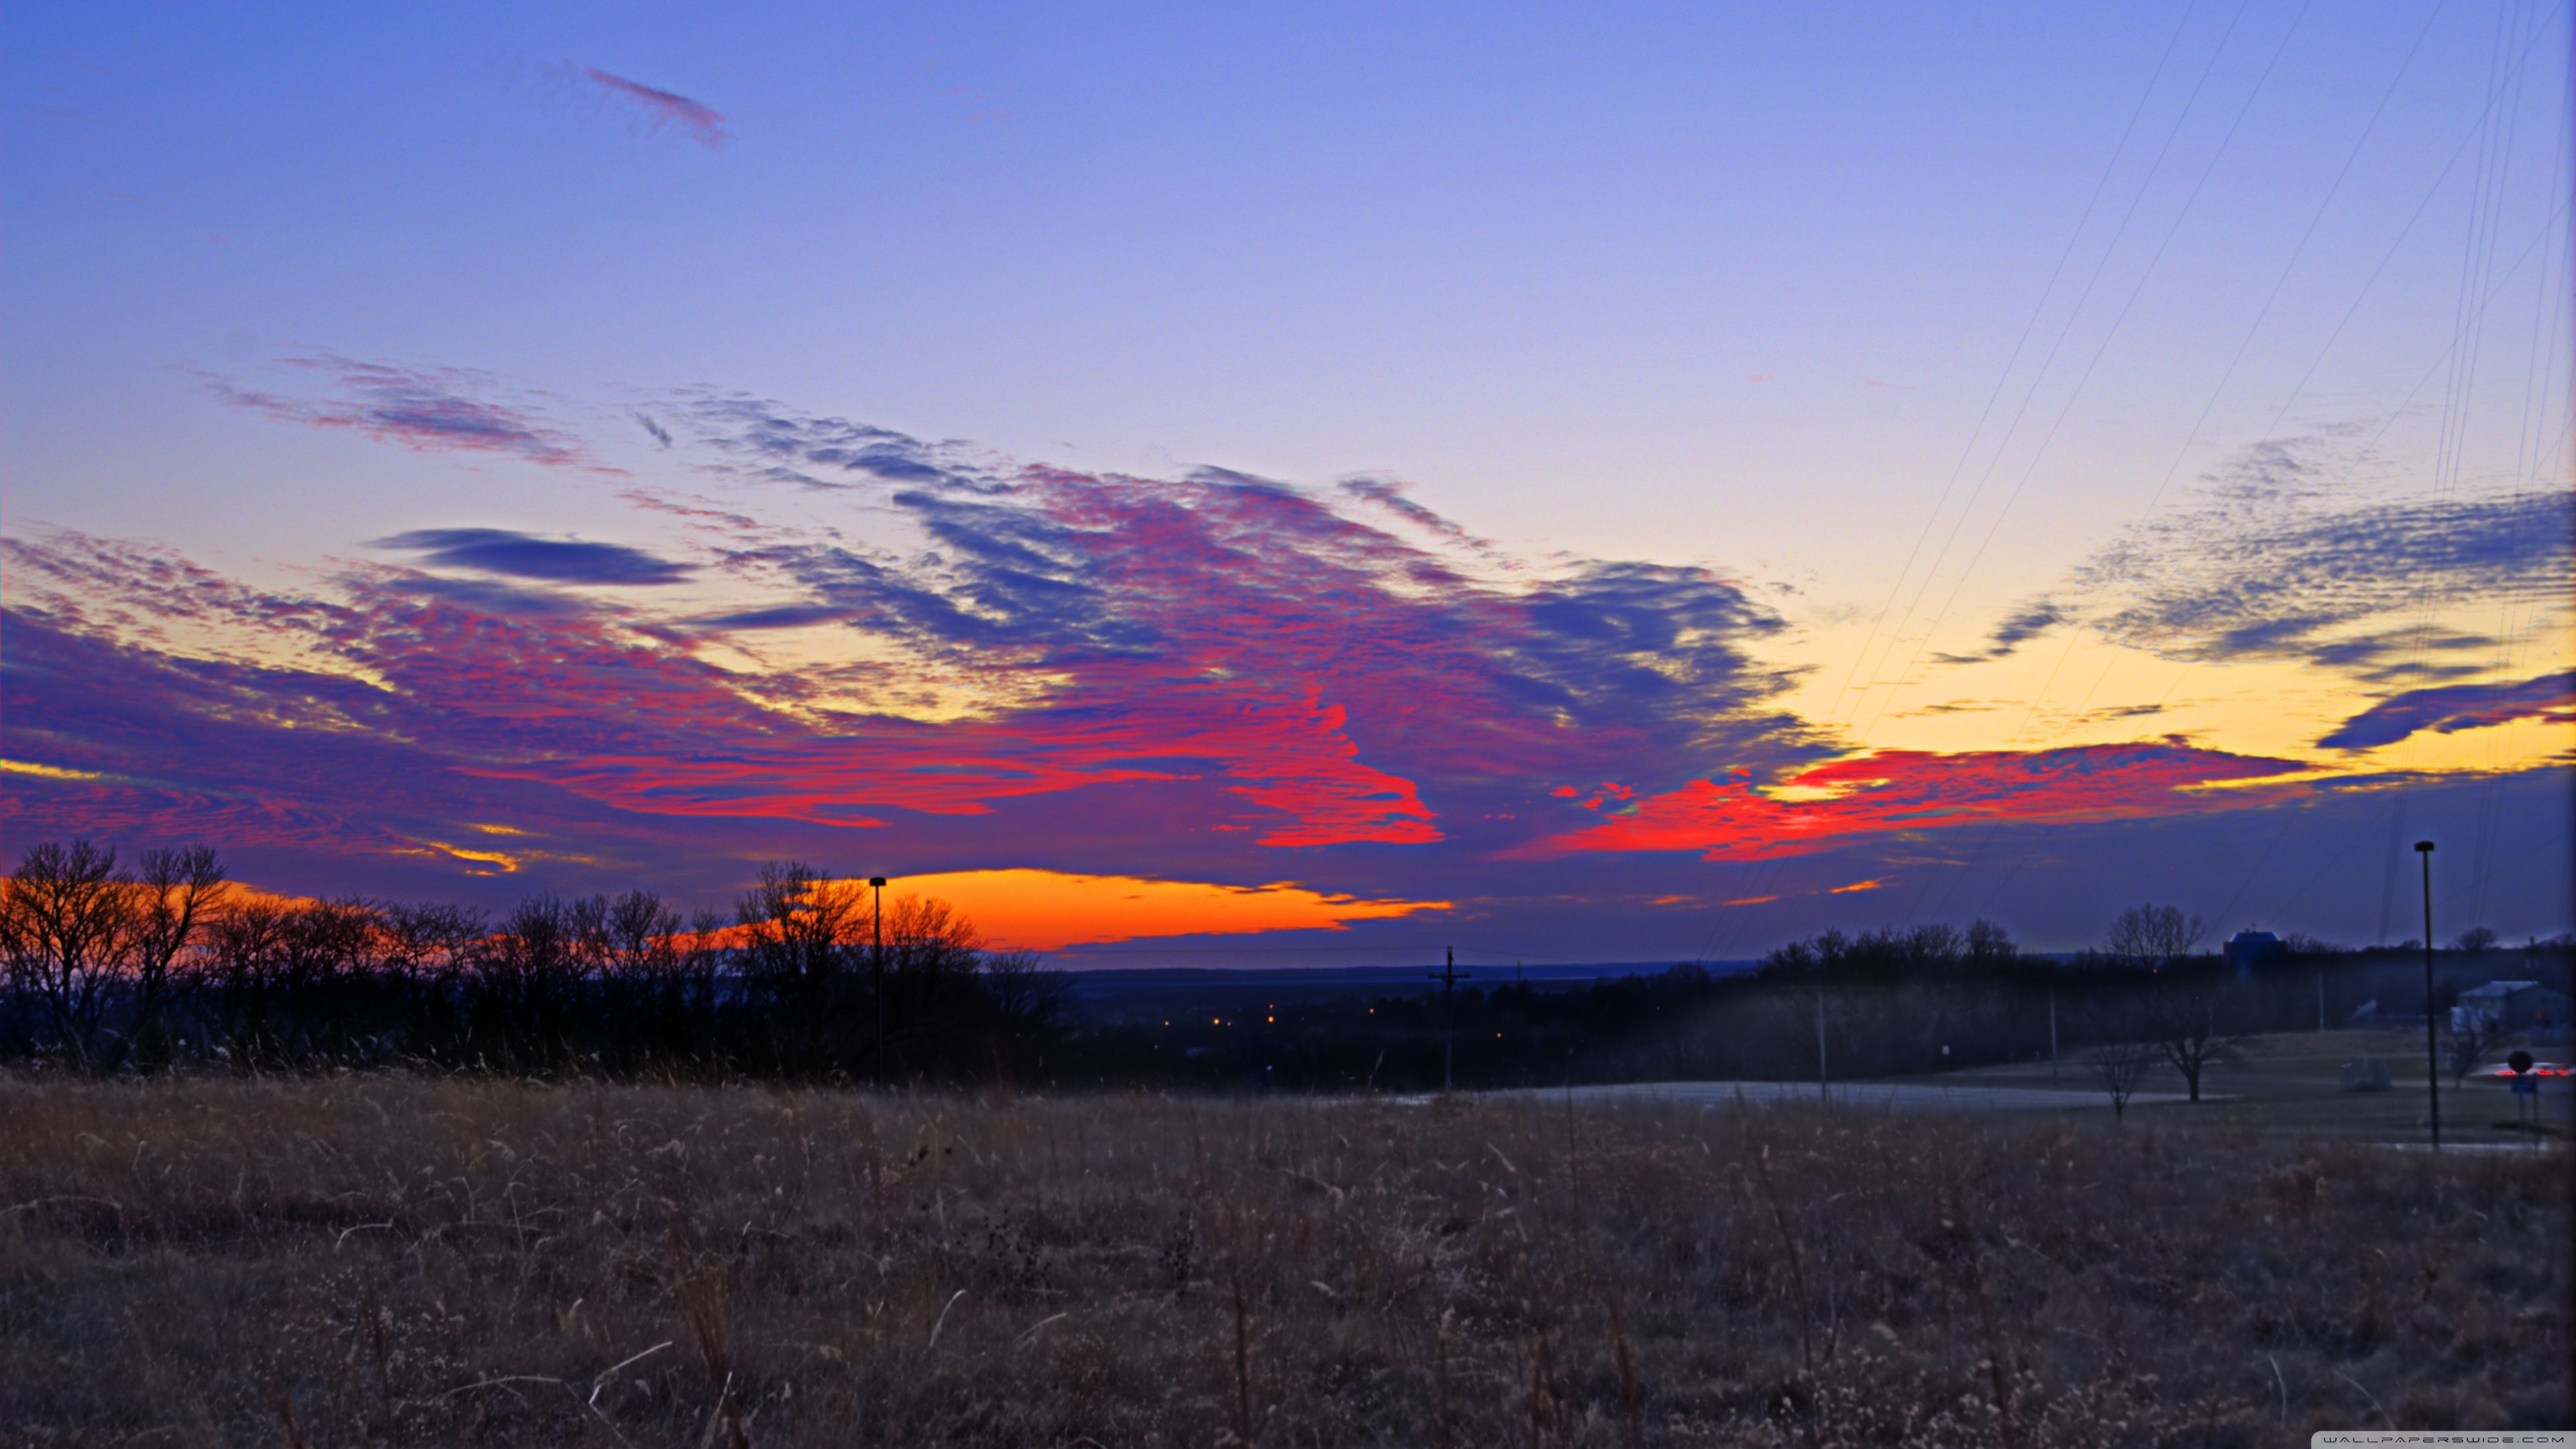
509, 864
46, 772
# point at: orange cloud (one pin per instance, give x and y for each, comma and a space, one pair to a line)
1045, 910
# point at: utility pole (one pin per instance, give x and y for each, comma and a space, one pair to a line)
2432, 1058
1824, 1081
1449, 977
877, 883
2052, 1031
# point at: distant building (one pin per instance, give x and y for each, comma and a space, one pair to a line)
2518, 1005
2249, 949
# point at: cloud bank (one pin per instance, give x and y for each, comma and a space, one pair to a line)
959, 663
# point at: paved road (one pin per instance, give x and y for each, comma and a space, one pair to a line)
1880, 1096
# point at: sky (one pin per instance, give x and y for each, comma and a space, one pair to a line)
1315, 485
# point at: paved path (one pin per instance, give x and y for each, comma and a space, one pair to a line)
1872, 1095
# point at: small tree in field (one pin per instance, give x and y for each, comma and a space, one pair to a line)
2473, 1034
2181, 1021
2121, 1054
2116, 1068
2179, 1016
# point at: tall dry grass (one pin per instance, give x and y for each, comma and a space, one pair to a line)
383, 1260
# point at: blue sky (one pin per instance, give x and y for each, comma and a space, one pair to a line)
1895, 319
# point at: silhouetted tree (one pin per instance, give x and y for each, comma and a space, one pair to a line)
931, 957
2153, 937
66, 923
527, 975
179, 892
801, 935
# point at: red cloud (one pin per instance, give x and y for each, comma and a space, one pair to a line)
1904, 790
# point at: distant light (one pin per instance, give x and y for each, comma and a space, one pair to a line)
1216, 1021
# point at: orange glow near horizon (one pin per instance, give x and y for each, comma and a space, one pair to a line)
1044, 910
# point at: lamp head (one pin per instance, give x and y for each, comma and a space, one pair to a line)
879, 881
2424, 846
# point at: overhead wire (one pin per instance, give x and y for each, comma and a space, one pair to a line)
1732, 927
2493, 92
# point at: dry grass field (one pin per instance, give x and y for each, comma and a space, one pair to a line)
387, 1260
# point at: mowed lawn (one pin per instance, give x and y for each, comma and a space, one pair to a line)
2289, 1085
373, 1260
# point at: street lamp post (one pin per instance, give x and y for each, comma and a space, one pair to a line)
2432, 1058
877, 883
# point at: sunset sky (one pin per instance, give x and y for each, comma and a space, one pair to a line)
1308, 487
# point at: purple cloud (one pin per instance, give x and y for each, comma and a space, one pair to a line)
429, 410
2455, 707
660, 108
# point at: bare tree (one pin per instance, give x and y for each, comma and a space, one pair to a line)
800, 934
2122, 1053
181, 890
2153, 937
2180, 1019
1989, 944
932, 953
2179, 1014
1027, 998
67, 923
2477, 939
530, 973
2473, 1034
2116, 1068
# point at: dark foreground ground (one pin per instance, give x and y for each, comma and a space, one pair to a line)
394, 1261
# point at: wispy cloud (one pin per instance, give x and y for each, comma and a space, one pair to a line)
2265, 564
660, 108
2018, 628
768, 441
430, 410
2449, 709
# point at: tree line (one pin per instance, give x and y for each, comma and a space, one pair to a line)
2146, 1003
169, 964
